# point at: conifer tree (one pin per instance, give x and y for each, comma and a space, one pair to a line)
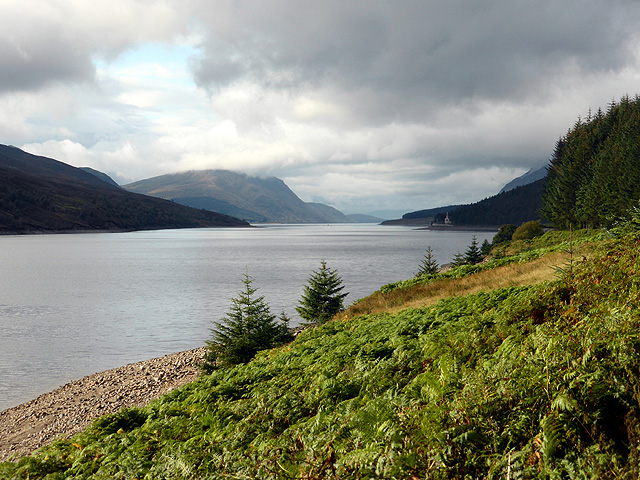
429, 266
458, 260
473, 254
247, 328
322, 297
485, 248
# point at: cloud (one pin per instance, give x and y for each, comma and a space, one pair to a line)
382, 60
48, 41
366, 105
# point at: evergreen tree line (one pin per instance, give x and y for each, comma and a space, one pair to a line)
594, 173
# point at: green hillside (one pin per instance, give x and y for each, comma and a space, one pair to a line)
535, 380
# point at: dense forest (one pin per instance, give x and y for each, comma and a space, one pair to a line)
594, 173
514, 206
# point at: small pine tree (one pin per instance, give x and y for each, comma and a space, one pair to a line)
458, 260
485, 248
473, 255
429, 266
322, 297
247, 328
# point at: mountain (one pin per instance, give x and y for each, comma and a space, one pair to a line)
529, 177
254, 199
40, 194
331, 214
511, 207
515, 206
102, 176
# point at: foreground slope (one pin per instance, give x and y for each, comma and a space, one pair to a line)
530, 381
39, 194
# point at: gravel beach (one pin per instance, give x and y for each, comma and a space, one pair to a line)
70, 408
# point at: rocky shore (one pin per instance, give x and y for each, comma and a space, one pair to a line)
71, 408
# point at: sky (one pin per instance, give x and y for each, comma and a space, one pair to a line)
371, 106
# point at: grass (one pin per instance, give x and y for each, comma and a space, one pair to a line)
426, 294
526, 380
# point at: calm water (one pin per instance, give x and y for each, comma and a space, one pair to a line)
72, 305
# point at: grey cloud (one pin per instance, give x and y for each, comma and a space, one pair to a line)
41, 58
405, 57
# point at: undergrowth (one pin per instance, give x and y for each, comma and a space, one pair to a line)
537, 381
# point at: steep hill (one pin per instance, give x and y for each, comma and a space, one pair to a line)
514, 206
529, 380
255, 199
39, 194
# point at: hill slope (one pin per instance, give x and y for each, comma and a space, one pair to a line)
251, 198
529, 177
515, 206
39, 194
533, 381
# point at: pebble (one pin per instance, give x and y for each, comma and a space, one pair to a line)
70, 408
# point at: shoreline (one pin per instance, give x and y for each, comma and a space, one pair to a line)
69, 409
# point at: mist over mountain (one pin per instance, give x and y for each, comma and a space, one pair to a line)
254, 199
40, 194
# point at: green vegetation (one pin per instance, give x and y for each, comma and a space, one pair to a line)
594, 175
504, 234
529, 381
473, 255
514, 206
527, 231
322, 297
247, 328
428, 266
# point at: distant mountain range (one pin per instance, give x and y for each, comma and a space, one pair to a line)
518, 201
254, 199
39, 194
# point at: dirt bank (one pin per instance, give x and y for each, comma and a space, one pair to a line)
70, 408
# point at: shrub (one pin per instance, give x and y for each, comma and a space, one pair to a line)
504, 234
527, 231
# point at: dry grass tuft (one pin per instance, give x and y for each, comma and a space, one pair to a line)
536, 271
